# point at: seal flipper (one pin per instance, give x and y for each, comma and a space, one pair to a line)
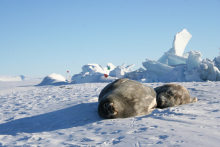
193, 100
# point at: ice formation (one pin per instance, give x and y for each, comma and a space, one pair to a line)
206, 70
53, 79
157, 67
92, 73
180, 41
120, 71
194, 59
173, 66
175, 55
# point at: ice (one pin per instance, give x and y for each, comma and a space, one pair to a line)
93, 69
175, 75
93, 73
194, 59
181, 39
120, 71
217, 62
206, 70
53, 79
156, 67
175, 55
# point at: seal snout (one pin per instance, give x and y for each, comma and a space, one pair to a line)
109, 107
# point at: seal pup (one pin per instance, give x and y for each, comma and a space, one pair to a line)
126, 98
170, 95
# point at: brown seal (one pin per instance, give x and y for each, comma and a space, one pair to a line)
126, 98
170, 95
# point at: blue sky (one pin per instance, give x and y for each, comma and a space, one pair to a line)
40, 37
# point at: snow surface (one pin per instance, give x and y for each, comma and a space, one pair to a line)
66, 115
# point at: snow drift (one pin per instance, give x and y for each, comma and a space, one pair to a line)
53, 79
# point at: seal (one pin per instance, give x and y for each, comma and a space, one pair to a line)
126, 98
170, 95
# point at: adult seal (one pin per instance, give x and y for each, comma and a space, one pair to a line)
126, 98
170, 95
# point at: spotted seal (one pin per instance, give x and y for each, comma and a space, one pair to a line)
170, 95
126, 98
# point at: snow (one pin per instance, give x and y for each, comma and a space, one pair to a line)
53, 79
66, 115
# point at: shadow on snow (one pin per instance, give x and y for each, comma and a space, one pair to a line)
78, 115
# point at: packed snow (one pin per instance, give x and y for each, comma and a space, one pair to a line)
66, 115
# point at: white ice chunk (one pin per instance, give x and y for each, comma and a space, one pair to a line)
217, 62
120, 71
170, 57
204, 71
93, 69
156, 67
181, 39
194, 59
110, 66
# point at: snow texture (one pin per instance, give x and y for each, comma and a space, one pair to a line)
66, 115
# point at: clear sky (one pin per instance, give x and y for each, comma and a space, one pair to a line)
41, 37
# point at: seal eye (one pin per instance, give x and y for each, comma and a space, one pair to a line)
105, 105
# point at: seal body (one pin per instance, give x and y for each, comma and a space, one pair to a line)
170, 95
126, 98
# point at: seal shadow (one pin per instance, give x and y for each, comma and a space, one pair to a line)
74, 116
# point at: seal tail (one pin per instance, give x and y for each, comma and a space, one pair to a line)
193, 100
